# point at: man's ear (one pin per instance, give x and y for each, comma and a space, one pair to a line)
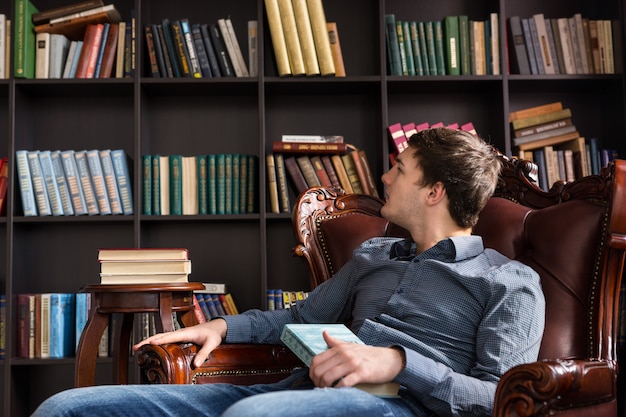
437, 193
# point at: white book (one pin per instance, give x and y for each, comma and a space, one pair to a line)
59, 50
580, 35
109, 8
495, 43
164, 168
42, 55
312, 138
239, 69
190, 186
566, 46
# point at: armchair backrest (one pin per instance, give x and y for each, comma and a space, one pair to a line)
574, 236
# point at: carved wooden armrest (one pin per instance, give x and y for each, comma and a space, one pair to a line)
241, 364
549, 386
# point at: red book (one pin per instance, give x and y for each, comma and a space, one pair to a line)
322, 175
110, 52
330, 170
310, 147
89, 53
296, 175
396, 134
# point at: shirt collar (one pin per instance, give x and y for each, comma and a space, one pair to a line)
452, 249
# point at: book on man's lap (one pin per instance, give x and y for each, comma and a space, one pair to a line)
306, 341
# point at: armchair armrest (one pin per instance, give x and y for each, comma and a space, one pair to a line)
241, 364
552, 386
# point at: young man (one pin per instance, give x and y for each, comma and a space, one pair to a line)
439, 314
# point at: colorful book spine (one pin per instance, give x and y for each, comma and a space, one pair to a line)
74, 183
39, 185
122, 176
98, 181
110, 181
62, 323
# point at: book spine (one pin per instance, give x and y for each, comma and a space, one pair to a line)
24, 42
243, 183
226, 66
278, 37
181, 49
171, 48
330, 169
150, 49
44, 341
342, 174
401, 47
290, 31
393, 48
163, 53
320, 37
147, 187
360, 171
235, 183
202, 186
42, 55
221, 183
253, 49
296, 174
52, 186
353, 175
453, 58
236, 48
228, 183
308, 148
176, 184
84, 176
304, 162
541, 118
408, 47
191, 49
218, 304
73, 182
39, 185
212, 183
110, 181
305, 36
210, 50
98, 181
281, 181
203, 57
100, 55
320, 171
122, 177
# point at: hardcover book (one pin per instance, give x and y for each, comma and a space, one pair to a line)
306, 341
52, 186
74, 183
142, 254
38, 184
84, 177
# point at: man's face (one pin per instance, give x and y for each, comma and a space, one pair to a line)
403, 190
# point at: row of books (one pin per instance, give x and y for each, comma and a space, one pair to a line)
80, 40
277, 299
144, 265
304, 42
199, 184
183, 49
563, 45
349, 171
73, 183
455, 45
208, 306
399, 133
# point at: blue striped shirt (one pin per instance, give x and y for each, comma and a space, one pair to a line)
463, 314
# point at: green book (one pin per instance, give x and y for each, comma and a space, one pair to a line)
24, 42
156, 185
408, 47
235, 184
439, 48
176, 184
393, 49
415, 44
228, 183
252, 178
430, 47
400, 35
221, 183
451, 34
211, 183
202, 173
464, 45
421, 32
243, 184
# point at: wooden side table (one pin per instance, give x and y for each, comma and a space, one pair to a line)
161, 299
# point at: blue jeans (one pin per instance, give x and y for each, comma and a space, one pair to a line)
294, 396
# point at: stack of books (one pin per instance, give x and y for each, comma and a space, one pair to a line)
304, 42
214, 301
455, 45
563, 45
316, 160
74, 183
278, 299
179, 48
144, 266
80, 40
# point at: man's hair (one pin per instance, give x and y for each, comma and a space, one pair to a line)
466, 165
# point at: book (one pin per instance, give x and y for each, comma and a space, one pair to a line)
296, 175
45, 16
110, 181
330, 170
86, 65
281, 182
429, 34
69, 70
228, 183
243, 183
352, 173
452, 51
164, 59
190, 48
24, 41
202, 184
97, 180
213, 288
62, 325
292, 40
189, 185
306, 341
408, 67
123, 179
320, 37
415, 47
494, 39
393, 48
74, 182
73, 26
208, 299
397, 136
239, 63
176, 183
535, 111
541, 118
544, 46
23, 325
221, 311
51, 184
42, 55
100, 55
142, 254
320, 171
520, 61
156, 267
544, 135
365, 171
557, 57
277, 34
59, 50
542, 127
313, 138
81, 307
147, 184
342, 174
84, 176
109, 52
121, 47
172, 47
230, 301
310, 147
305, 35
306, 166
39, 184
182, 54
253, 49
111, 279
203, 57
553, 140
223, 59
272, 185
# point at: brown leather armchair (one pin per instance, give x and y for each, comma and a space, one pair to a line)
574, 236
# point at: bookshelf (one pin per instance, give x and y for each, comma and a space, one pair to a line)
145, 115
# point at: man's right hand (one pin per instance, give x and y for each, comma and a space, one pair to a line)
207, 335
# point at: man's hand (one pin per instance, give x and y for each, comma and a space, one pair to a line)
208, 335
347, 364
